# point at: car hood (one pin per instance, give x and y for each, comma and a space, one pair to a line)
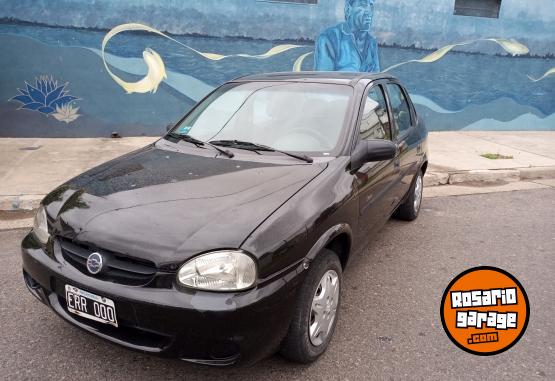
167, 205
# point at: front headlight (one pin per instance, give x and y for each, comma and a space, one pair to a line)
40, 226
219, 271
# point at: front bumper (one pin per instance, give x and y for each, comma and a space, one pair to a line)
198, 326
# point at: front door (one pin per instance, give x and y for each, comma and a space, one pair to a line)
375, 180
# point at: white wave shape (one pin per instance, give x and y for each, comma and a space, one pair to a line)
548, 73
422, 100
526, 122
510, 46
297, 66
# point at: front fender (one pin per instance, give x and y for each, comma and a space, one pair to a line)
325, 208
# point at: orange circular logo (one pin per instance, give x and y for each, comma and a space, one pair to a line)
485, 311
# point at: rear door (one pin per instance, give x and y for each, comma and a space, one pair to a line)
403, 123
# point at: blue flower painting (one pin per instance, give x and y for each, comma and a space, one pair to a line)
46, 96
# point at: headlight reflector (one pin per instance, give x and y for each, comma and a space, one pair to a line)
219, 271
40, 226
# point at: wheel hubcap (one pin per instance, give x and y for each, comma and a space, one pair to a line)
418, 193
324, 308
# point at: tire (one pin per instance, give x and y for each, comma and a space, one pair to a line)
408, 211
298, 345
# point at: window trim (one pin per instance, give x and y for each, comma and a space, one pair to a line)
354, 132
369, 88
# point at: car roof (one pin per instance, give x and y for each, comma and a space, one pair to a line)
335, 77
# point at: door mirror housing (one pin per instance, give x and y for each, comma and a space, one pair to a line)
372, 150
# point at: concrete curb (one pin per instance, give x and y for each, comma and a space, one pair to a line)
536, 173
20, 202
486, 177
432, 179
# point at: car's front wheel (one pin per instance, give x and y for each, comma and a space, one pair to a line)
316, 310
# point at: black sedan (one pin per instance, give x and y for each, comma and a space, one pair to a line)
225, 241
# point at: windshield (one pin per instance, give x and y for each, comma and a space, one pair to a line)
304, 117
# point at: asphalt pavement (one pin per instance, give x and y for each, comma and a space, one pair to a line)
389, 325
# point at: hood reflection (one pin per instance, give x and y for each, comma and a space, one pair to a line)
161, 205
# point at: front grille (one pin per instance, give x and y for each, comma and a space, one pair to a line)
118, 268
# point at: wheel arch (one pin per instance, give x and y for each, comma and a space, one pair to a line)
424, 166
338, 239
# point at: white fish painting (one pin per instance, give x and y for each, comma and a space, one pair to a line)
156, 68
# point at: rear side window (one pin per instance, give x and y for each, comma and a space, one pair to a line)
375, 120
399, 108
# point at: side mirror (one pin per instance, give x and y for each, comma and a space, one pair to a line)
368, 151
169, 127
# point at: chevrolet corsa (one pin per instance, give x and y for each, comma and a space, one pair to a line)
225, 241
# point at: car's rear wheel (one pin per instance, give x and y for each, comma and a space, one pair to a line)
408, 211
316, 310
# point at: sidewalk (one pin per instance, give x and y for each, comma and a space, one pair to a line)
455, 157
457, 167
30, 168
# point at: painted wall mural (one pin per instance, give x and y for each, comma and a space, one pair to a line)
134, 69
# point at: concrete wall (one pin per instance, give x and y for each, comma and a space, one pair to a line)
48, 44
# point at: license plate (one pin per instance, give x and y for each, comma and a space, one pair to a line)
90, 306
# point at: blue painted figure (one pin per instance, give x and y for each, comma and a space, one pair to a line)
349, 46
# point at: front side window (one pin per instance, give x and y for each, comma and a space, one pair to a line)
399, 108
289, 116
375, 120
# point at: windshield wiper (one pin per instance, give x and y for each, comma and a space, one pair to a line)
259, 147
186, 138
200, 143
